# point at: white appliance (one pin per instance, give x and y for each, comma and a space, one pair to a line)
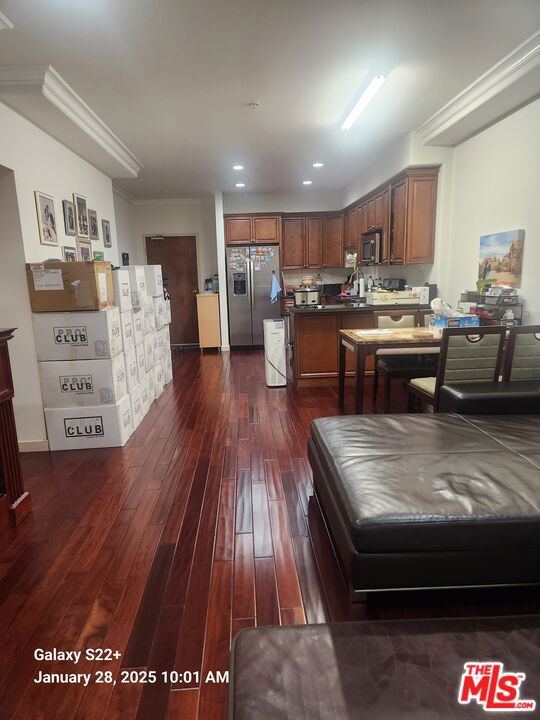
274, 353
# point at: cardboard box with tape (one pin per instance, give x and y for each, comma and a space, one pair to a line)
66, 286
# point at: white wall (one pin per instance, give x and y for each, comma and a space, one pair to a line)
306, 200
179, 217
15, 312
38, 162
125, 229
496, 187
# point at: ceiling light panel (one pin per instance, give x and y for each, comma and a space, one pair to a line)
363, 101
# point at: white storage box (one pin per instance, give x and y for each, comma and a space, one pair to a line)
166, 339
167, 305
137, 413
84, 335
128, 333
137, 282
159, 312
147, 324
160, 336
96, 426
132, 371
154, 281
149, 351
138, 326
122, 290
151, 314
145, 401
167, 367
151, 382
141, 361
80, 383
158, 378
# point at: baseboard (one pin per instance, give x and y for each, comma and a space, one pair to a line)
225, 348
33, 446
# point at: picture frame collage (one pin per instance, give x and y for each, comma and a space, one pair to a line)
80, 222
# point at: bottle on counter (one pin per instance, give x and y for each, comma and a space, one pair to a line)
319, 282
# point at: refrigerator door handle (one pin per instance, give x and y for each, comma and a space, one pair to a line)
252, 285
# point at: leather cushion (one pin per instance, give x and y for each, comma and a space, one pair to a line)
375, 670
494, 398
417, 483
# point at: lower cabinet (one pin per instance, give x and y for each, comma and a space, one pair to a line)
316, 343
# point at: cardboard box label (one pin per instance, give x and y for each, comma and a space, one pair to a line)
84, 427
47, 279
102, 286
76, 384
75, 335
124, 289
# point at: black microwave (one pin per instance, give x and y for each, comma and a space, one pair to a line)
370, 247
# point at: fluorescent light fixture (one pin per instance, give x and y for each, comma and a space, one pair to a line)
365, 98
240, 185
318, 165
307, 182
237, 167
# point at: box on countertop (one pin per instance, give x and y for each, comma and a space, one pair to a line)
141, 361
96, 426
154, 280
80, 383
78, 335
438, 322
137, 282
66, 286
128, 333
122, 289
138, 326
132, 370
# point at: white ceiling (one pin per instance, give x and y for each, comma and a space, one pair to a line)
173, 78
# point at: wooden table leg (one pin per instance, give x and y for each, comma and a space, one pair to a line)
341, 372
360, 377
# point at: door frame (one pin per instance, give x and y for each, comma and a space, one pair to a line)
200, 279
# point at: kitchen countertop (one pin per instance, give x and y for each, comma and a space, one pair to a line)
351, 307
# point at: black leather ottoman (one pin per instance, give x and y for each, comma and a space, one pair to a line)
491, 398
407, 669
430, 501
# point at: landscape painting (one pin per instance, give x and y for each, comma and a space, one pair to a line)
501, 257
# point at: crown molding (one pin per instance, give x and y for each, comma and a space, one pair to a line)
5, 23
509, 84
171, 201
40, 93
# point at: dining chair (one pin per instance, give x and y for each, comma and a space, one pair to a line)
466, 355
400, 363
522, 354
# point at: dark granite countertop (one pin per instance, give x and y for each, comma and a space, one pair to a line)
350, 307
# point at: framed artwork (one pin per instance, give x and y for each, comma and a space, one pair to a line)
501, 257
46, 219
99, 255
93, 224
84, 250
69, 254
81, 215
69, 217
106, 227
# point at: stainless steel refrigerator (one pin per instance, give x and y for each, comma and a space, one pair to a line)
249, 282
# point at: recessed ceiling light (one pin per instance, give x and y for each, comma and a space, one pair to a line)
318, 165
240, 185
365, 98
307, 182
237, 167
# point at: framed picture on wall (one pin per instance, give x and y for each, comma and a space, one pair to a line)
81, 215
106, 227
69, 218
46, 219
69, 254
93, 224
84, 250
98, 255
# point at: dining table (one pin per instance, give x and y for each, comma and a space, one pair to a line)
366, 342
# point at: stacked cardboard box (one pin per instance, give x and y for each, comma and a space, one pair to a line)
101, 369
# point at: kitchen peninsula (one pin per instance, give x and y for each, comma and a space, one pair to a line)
314, 337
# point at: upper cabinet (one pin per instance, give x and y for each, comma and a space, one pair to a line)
312, 242
293, 253
332, 241
242, 229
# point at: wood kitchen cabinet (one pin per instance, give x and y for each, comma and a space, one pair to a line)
350, 228
315, 345
332, 241
314, 252
398, 220
242, 229
301, 243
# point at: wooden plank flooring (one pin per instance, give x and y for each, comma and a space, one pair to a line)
166, 548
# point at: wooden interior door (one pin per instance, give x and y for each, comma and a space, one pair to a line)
177, 256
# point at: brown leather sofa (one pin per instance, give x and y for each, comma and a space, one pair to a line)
430, 501
388, 670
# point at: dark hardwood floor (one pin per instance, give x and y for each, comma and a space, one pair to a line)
165, 548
